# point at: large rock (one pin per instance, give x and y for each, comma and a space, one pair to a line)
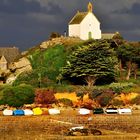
23, 65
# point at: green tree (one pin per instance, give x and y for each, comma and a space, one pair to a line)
18, 95
91, 62
130, 55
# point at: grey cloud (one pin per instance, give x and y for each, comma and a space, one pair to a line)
26, 23
25, 7
134, 10
53, 9
19, 6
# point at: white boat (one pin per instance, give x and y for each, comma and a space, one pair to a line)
75, 128
28, 112
84, 111
8, 112
54, 111
125, 111
111, 111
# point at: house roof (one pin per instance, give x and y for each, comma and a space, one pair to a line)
78, 18
10, 53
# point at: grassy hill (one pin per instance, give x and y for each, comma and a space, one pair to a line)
47, 59
50, 56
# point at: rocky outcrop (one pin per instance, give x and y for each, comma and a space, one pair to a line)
23, 64
61, 41
16, 68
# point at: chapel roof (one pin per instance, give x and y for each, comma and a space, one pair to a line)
78, 18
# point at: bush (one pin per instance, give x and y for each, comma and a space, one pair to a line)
54, 35
18, 95
95, 93
117, 102
119, 87
61, 87
104, 101
83, 90
105, 98
88, 103
136, 100
44, 96
65, 102
135, 89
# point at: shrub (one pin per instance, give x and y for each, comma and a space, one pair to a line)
119, 87
54, 35
61, 87
44, 96
18, 95
117, 102
135, 89
89, 104
80, 94
95, 93
65, 102
136, 100
83, 90
105, 98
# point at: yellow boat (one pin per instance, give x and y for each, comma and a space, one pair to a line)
37, 111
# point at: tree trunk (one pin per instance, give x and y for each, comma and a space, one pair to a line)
135, 68
128, 70
120, 67
90, 80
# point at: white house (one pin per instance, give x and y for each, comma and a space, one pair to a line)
85, 25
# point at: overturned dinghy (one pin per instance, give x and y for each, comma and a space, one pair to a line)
111, 111
54, 111
37, 111
98, 111
28, 112
18, 112
8, 112
84, 111
124, 111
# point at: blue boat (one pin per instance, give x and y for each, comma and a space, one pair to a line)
18, 112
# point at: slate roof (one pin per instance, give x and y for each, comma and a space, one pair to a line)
10, 53
77, 19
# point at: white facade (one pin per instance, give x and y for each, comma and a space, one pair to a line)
85, 25
74, 30
90, 28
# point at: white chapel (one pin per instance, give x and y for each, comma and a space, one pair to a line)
85, 25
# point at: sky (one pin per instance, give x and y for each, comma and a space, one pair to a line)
26, 23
